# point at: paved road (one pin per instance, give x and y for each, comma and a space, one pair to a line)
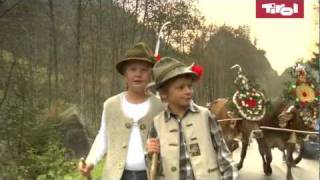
252, 169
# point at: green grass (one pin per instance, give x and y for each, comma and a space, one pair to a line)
96, 173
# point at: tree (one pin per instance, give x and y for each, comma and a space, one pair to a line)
53, 57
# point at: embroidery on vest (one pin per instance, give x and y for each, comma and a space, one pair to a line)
194, 149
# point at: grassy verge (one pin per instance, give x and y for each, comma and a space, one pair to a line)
75, 175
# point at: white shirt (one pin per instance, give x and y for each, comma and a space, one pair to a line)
135, 157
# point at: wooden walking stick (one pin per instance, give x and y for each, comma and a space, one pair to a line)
154, 159
153, 134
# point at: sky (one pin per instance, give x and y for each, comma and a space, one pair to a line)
284, 40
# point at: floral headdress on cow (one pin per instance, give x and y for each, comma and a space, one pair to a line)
248, 99
304, 93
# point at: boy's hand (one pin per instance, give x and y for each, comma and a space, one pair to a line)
84, 168
153, 145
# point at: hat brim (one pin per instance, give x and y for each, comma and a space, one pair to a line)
120, 65
154, 86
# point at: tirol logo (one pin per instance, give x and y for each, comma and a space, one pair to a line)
279, 8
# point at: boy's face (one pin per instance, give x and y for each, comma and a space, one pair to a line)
179, 92
137, 75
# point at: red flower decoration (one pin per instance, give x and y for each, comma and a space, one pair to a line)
303, 104
197, 69
251, 103
158, 57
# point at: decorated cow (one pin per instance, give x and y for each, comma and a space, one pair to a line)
241, 116
230, 128
293, 117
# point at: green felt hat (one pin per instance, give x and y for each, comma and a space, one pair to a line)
139, 52
166, 69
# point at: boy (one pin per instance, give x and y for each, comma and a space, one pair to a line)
191, 144
125, 121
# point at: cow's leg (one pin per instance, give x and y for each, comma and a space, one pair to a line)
299, 157
268, 171
290, 149
284, 156
262, 151
245, 143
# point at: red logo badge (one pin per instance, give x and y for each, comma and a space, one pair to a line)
279, 8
